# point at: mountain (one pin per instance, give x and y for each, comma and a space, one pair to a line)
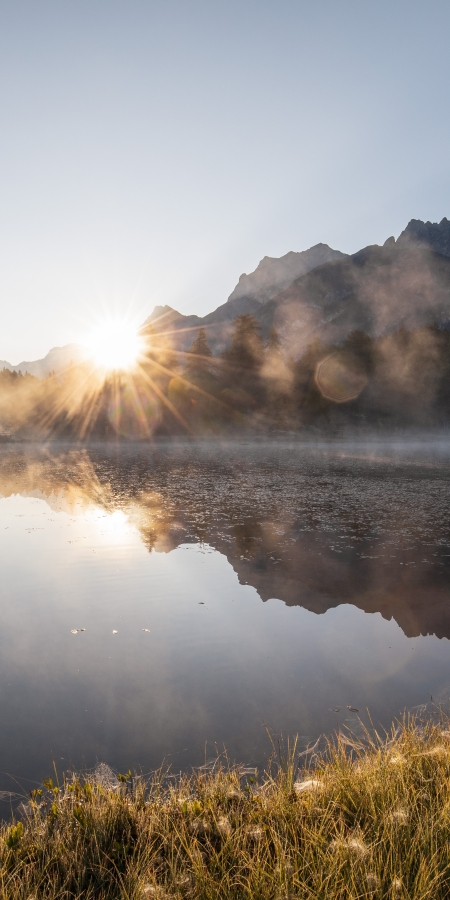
57, 360
251, 293
435, 236
318, 292
404, 282
273, 275
376, 290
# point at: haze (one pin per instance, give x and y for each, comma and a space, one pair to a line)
152, 152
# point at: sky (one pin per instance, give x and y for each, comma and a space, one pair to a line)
151, 152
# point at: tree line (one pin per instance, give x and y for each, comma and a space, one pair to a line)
397, 380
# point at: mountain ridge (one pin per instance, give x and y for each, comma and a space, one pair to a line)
319, 292
56, 360
273, 274
377, 289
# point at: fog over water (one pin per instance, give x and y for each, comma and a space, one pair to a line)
280, 583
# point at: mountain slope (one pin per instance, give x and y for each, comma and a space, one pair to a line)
319, 292
432, 235
376, 290
251, 293
57, 360
273, 274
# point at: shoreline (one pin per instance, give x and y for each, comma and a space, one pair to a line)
364, 818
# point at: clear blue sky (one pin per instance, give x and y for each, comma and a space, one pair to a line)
151, 152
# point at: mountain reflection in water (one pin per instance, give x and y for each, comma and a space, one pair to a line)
313, 527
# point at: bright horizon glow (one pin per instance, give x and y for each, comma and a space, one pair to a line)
115, 345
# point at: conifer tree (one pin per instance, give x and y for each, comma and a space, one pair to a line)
243, 361
246, 350
198, 365
273, 342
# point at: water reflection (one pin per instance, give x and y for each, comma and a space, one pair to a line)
313, 528
186, 541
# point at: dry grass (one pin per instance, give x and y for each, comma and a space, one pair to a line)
365, 820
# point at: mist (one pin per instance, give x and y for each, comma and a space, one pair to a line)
395, 380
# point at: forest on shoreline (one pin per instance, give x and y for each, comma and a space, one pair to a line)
401, 379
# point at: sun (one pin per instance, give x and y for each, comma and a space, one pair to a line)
115, 345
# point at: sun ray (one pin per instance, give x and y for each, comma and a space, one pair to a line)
165, 399
190, 384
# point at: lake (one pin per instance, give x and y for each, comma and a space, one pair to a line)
226, 592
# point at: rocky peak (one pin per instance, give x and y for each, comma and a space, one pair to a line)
433, 235
274, 274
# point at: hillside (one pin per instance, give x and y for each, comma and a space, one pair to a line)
319, 292
250, 295
377, 289
274, 274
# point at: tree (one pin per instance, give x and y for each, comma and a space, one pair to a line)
246, 351
359, 350
199, 355
273, 342
308, 400
243, 360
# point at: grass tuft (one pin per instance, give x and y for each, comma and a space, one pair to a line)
367, 819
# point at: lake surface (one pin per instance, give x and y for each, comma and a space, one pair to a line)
280, 583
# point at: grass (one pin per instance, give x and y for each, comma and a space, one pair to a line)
367, 819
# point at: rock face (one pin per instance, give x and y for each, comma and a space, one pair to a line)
270, 277
405, 282
376, 291
250, 295
435, 236
273, 275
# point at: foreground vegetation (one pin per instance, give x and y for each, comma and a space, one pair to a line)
369, 819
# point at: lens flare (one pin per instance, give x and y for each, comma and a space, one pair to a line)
337, 381
115, 345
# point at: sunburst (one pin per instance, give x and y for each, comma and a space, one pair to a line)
115, 345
